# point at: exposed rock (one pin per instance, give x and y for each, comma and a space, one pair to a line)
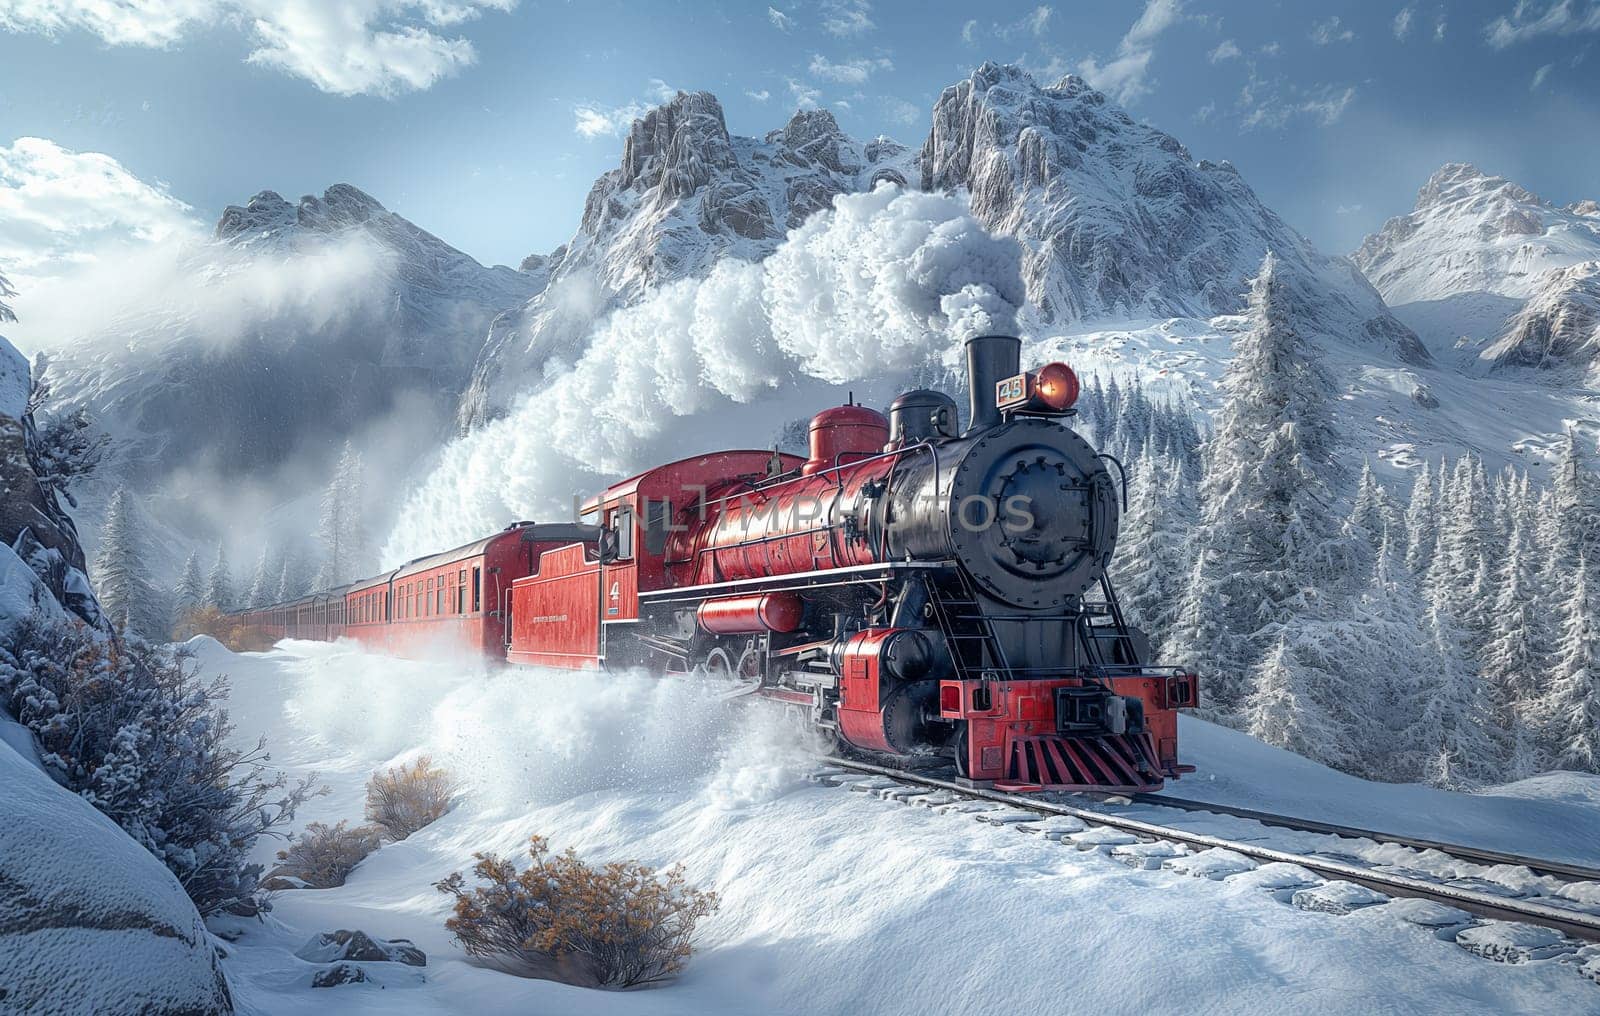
358, 945
339, 973
1559, 327
91, 922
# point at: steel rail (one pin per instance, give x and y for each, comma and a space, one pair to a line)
1478, 855
1577, 925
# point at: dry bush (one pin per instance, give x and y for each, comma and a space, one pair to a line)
406, 798
619, 926
323, 856
230, 631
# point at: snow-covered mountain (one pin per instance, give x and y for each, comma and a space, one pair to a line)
295, 327
686, 194
1473, 251
1118, 220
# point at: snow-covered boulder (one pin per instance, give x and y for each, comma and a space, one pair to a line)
90, 922
358, 945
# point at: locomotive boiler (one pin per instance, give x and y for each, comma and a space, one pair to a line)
909, 589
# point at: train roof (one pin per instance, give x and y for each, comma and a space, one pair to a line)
467, 550
626, 488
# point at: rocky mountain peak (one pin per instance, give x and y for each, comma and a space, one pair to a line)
1457, 182
1472, 232
1115, 218
677, 145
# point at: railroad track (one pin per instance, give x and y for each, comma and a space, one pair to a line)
1567, 924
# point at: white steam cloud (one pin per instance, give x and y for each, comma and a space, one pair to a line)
883, 283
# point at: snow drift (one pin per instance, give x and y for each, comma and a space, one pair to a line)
882, 283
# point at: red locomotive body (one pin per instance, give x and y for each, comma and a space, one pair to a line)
907, 590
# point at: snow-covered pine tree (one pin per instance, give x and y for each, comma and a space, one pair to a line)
6, 292
1272, 549
341, 527
264, 583
219, 583
1449, 710
121, 577
1285, 705
1422, 523
1570, 709
1516, 658
1368, 520
1201, 641
190, 593
292, 581
1148, 569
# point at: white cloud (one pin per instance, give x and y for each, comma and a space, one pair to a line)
900, 111
1529, 20
1402, 23
1274, 104
848, 72
1325, 33
1123, 77
60, 209
1271, 49
1347, 209
1539, 76
843, 104
1439, 27
1205, 113
343, 47
594, 120
781, 21
804, 96
1227, 49
847, 17
969, 32
762, 96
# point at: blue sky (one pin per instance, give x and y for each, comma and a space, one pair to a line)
486, 121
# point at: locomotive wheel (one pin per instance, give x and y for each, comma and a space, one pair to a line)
958, 745
718, 666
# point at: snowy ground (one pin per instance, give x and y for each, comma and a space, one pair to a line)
832, 902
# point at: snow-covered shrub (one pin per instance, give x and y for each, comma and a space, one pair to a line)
617, 926
408, 797
135, 731
323, 855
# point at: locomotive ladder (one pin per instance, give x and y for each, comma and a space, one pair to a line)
965, 626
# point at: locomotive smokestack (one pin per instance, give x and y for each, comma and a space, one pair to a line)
990, 359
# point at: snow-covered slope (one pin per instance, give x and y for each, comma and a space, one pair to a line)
1558, 327
832, 902
1474, 249
1471, 232
1118, 221
686, 194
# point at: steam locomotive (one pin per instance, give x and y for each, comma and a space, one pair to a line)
906, 589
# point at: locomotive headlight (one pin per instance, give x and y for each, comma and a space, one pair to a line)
1052, 388
1056, 385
